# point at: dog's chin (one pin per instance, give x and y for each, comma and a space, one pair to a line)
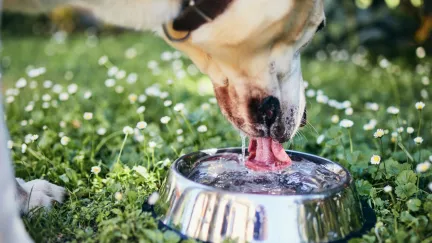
277, 132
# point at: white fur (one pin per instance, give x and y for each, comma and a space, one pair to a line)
41, 193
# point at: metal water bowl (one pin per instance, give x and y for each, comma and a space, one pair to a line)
212, 215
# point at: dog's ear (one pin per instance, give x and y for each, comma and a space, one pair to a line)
198, 12
304, 119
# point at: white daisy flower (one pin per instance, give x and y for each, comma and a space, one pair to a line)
132, 78
152, 64
202, 128
379, 133
88, 116
127, 130
152, 144
101, 131
349, 111
213, 100
420, 105
110, 82
27, 139
420, 52
141, 125
418, 140
323, 99
430, 158
430, 186
10, 99
132, 98
384, 63
320, 139
388, 189
47, 84
177, 65
112, 71
410, 130
423, 167
10, 144
23, 148
164, 95
87, 95
121, 74
57, 88
12, 92
375, 160
63, 96
368, 127
310, 93
179, 107
180, 139
425, 80
192, 70
62, 124
72, 88
45, 105
346, 123
95, 170
103, 60
46, 97
400, 129
393, 110
165, 119
142, 98
33, 85
64, 140
205, 106
153, 90
179, 131
167, 103
166, 56
21, 83
154, 197
118, 196
141, 109
29, 107
119, 89
34, 137
131, 53
141, 170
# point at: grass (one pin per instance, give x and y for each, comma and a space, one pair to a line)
106, 206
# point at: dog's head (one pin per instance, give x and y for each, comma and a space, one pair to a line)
251, 52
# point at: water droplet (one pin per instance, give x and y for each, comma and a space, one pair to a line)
243, 137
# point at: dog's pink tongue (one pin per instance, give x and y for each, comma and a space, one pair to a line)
266, 154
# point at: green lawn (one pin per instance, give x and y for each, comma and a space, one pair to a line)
106, 206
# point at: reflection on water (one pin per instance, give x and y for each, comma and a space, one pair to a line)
227, 172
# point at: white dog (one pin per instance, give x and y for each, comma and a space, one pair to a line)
249, 48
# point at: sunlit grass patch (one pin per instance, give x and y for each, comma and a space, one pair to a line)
105, 117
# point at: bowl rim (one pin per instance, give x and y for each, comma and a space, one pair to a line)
348, 181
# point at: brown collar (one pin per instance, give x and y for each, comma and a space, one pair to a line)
195, 13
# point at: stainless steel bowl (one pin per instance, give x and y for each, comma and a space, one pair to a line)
213, 215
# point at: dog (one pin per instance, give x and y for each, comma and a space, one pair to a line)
249, 48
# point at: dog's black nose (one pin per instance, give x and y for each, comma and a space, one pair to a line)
269, 110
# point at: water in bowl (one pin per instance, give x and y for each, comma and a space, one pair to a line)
227, 172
